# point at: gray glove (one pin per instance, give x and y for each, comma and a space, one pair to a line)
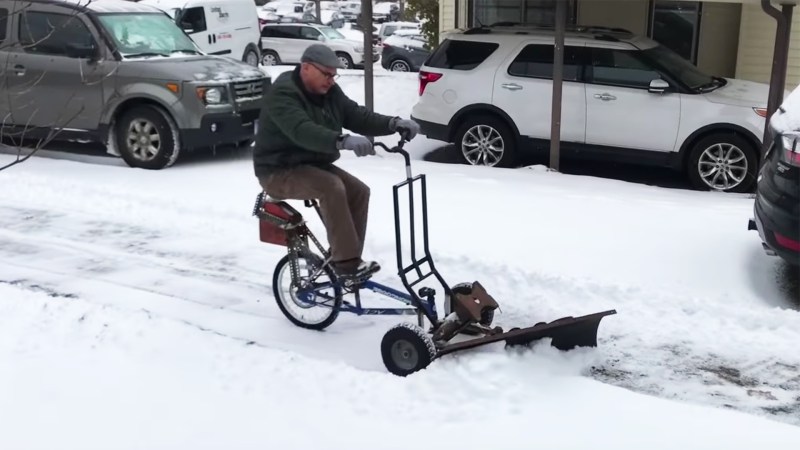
407, 128
360, 145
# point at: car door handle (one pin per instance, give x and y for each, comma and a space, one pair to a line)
511, 86
605, 96
19, 70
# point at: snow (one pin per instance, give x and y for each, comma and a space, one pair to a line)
136, 311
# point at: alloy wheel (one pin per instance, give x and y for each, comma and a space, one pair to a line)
144, 140
482, 145
722, 166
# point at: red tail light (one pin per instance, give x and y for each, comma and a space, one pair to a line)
791, 158
787, 242
425, 78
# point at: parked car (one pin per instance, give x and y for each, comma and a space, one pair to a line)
218, 27
624, 98
404, 51
386, 29
284, 43
123, 74
776, 210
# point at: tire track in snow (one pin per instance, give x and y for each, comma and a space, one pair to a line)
660, 343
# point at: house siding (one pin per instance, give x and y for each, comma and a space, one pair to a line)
757, 45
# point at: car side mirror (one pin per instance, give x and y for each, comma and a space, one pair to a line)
83, 51
658, 86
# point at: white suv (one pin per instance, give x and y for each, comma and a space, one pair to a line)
284, 43
625, 98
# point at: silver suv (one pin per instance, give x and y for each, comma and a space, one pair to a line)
122, 74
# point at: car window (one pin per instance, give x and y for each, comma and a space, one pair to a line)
3, 24
52, 34
193, 20
460, 55
536, 61
309, 33
621, 68
283, 32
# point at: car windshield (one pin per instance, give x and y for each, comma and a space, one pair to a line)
146, 35
331, 33
686, 72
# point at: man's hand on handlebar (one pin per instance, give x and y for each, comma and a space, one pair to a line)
407, 128
360, 145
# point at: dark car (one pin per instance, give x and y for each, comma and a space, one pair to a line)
777, 204
404, 51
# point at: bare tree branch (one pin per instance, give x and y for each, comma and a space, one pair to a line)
28, 42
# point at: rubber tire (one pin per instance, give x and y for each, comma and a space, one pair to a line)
509, 138
751, 154
271, 53
337, 303
419, 340
349, 60
400, 60
248, 51
167, 131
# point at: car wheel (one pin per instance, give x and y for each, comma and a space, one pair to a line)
147, 138
724, 162
345, 59
486, 141
270, 58
399, 66
251, 57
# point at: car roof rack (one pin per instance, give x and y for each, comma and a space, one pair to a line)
525, 28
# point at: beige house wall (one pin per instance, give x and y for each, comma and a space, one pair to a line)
757, 45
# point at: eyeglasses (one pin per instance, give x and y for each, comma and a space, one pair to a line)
328, 75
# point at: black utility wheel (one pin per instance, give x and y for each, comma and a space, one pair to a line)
345, 59
147, 138
485, 140
724, 162
406, 349
309, 312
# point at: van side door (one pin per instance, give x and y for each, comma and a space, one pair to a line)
194, 22
58, 73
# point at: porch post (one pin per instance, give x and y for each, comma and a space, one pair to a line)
777, 83
558, 77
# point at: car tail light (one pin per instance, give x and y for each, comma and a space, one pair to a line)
786, 242
791, 149
761, 111
425, 78
791, 157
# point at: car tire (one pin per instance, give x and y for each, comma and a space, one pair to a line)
345, 59
251, 57
491, 128
721, 157
270, 58
147, 126
399, 65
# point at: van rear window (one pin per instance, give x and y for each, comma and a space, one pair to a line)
460, 55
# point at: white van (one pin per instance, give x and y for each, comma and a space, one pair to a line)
219, 27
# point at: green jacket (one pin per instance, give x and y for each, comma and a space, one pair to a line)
297, 127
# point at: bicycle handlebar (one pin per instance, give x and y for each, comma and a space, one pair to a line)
398, 149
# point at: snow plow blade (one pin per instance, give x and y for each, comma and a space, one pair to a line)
566, 333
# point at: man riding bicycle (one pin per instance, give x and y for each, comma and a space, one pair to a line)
300, 137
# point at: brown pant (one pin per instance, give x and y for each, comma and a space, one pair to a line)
343, 201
